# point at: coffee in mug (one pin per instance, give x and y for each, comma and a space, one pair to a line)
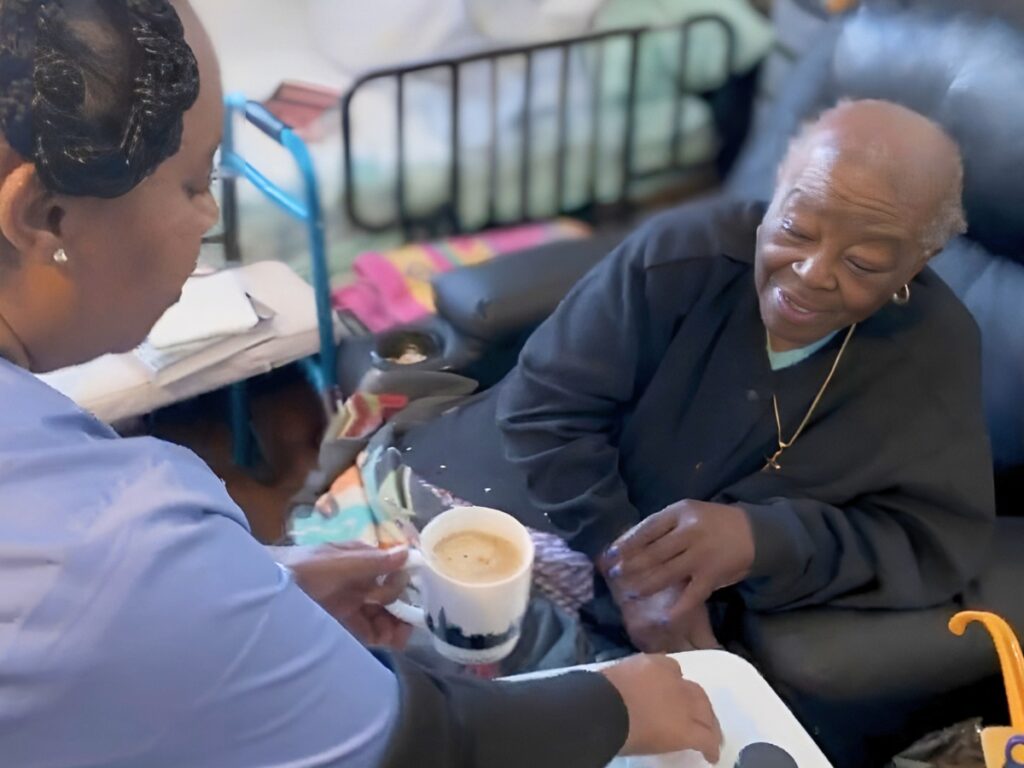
477, 557
472, 572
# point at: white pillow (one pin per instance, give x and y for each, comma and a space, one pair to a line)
358, 35
262, 42
515, 21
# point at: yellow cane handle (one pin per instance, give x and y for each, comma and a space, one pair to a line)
1010, 657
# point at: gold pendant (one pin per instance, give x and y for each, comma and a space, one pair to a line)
773, 462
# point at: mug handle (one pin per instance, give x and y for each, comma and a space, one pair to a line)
403, 611
1012, 743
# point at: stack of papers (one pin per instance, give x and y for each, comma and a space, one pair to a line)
213, 320
115, 387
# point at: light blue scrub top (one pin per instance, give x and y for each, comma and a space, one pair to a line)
142, 625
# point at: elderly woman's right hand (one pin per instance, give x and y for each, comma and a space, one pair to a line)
667, 713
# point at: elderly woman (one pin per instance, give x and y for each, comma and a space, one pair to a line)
140, 623
783, 400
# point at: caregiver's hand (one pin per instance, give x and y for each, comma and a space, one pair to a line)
666, 712
353, 582
695, 544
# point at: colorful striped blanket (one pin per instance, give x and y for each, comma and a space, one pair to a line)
393, 287
380, 501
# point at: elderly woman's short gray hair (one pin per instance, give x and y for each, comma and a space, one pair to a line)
949, 220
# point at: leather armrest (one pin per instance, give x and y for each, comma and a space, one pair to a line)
499, 299
868, 683
846, 655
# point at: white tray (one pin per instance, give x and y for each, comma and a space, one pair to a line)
748, 709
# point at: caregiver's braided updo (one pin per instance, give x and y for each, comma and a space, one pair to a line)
93, 91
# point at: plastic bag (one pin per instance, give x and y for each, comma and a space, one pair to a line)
956, 747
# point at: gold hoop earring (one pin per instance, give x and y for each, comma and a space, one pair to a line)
60, 256
902, 296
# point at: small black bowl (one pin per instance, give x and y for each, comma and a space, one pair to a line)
391, 346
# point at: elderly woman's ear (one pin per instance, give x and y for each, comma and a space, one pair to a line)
29, 214
920, 263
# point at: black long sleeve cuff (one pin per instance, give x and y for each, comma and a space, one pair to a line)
576, 720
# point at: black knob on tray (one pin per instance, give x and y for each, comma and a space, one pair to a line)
762, 755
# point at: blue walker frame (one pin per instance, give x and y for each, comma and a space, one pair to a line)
320, 369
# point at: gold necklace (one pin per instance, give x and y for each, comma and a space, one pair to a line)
773, 461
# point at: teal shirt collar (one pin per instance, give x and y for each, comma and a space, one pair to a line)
780, 360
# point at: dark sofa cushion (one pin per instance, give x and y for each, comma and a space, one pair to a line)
962, 70
499, 299
992, 287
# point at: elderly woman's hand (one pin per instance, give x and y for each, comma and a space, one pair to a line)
695, 545
656, 624
353, 582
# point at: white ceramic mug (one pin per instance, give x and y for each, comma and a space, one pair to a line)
470, 623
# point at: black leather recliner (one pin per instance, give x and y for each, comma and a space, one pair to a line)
869, 682
864, 683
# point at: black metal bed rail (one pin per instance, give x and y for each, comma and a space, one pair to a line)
445, 217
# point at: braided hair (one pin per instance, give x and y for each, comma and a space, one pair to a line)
94, 92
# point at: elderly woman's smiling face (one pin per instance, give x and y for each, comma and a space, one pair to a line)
848, 225
832, 250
